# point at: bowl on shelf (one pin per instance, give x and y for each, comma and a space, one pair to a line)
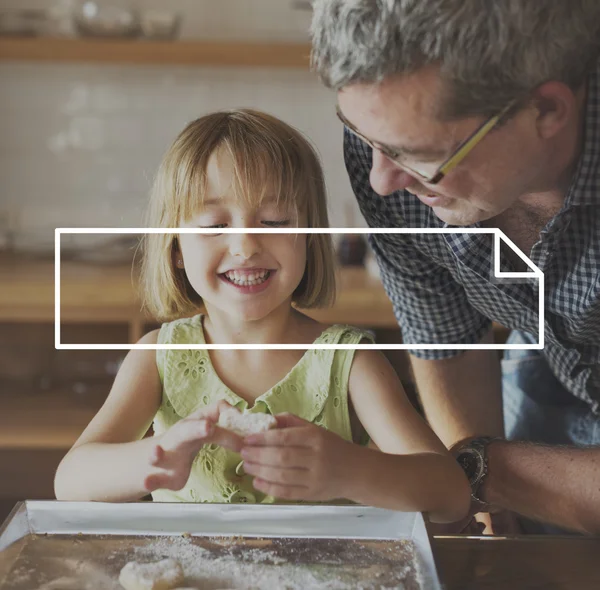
22, 22
160, 24
95, 19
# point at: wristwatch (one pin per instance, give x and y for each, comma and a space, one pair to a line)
472, 457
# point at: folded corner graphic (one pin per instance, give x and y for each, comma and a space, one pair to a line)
532, 275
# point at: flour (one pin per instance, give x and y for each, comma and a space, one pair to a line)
218, 563
161, 575
257, 568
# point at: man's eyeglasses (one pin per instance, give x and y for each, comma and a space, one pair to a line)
451, 162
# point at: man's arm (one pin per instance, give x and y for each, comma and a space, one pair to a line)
462, 398
558, 485
462, 395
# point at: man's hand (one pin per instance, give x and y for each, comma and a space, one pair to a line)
482, 519
172, 457
476, 523
501, 522
298, 461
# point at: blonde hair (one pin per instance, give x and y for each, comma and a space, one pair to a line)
268, 155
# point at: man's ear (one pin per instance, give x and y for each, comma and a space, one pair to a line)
556, 104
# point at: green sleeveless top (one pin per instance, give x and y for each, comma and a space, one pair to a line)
315, 389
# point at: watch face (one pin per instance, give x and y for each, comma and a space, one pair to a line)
471, 464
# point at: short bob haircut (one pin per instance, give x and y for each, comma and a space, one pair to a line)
268, 155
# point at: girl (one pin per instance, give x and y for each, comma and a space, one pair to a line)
245, 169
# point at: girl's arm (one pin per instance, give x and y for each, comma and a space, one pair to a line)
104, 463
413, 471
110, 463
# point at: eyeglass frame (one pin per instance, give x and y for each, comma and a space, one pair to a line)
451, 162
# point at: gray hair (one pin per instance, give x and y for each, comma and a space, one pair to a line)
489, 52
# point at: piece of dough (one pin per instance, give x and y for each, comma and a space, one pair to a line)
159, 575
245, 424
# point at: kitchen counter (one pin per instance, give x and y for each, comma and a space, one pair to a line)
518, 563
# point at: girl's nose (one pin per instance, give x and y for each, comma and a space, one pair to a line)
244, 245
386, 177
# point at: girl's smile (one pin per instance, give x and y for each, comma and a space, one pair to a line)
248, 280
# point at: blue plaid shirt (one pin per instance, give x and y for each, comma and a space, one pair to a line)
442, 285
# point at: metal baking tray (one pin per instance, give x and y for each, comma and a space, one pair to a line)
48, 545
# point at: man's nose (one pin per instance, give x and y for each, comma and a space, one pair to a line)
386, 177
244, 245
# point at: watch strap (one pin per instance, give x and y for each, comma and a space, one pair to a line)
478, 445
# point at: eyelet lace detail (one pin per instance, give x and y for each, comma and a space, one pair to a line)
205, 459
192, 364
315, 391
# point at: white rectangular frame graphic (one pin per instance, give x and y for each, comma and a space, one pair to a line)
498, 236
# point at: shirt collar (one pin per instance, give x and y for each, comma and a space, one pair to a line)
585, 184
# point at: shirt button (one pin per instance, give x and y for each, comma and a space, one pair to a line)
241, 497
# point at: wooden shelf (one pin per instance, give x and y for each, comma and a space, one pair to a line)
49, 421
205, 53
106, 293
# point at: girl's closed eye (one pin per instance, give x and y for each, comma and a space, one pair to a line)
208, 225
275, 223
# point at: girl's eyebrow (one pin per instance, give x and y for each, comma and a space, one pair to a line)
213, 202
268, 201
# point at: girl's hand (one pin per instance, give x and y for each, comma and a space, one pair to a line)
172, 456
299, 461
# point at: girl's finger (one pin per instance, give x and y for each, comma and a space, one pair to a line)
281, 491
280, 457
281, 437
195, 431
287, 477
223, 405
287, 420
155, 481
157, 455
226, 438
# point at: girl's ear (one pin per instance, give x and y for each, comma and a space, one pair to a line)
176, 256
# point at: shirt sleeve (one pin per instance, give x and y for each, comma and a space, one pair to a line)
430, 305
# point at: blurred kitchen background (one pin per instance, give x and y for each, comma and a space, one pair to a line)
80, 140
91, 95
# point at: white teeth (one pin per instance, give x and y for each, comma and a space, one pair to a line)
247, 279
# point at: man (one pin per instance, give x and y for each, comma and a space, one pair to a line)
462, 113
